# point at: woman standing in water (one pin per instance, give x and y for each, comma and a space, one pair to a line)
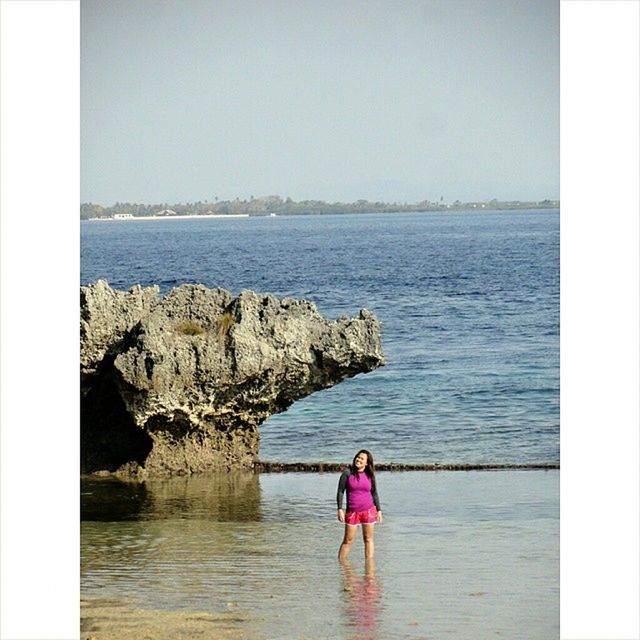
363, 504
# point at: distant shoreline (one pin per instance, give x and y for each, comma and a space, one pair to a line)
201, 216
176, 217
275, 205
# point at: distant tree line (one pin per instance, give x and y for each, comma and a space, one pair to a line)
266, 205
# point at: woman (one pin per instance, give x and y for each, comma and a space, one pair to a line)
363, 505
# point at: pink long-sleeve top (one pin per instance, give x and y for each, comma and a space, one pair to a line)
361, 491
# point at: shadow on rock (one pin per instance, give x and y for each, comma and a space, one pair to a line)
181, 384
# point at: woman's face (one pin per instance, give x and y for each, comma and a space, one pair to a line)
361, 461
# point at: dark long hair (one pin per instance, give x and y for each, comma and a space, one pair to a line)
370, 469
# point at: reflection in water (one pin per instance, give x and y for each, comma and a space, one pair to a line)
181, 527
227, 497
363, 605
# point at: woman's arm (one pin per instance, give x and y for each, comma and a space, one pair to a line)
342, 486
374, 495
376, 500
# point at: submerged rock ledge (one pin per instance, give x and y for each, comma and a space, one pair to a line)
180, 384
319, 467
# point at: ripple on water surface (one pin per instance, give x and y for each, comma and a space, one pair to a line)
460, 555
469, 309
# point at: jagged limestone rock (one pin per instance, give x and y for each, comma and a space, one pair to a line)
180, 384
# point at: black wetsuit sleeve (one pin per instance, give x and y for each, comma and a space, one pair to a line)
342, 486
374, 494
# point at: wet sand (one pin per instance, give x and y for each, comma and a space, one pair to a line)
111, 619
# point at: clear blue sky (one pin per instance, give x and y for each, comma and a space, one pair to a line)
186, 100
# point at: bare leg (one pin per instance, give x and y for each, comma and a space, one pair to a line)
349, 536
350, 579
369, 569
367, 536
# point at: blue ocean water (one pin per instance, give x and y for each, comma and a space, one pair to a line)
469, 304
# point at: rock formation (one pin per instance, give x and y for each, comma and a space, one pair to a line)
180, 384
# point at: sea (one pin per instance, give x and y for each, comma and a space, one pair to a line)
469, 305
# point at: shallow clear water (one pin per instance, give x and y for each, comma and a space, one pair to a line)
470, 310
461, 555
